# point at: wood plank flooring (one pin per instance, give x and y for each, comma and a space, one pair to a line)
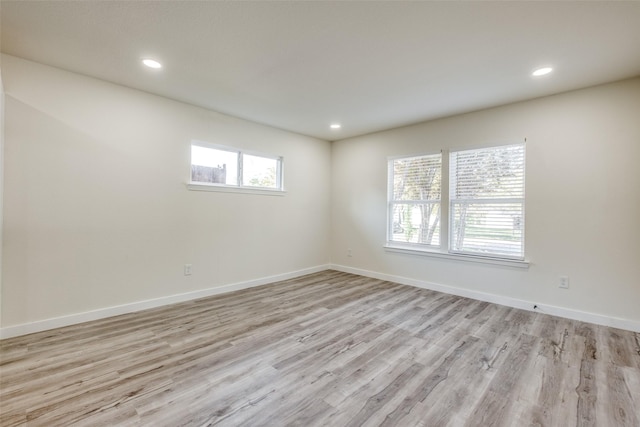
327, 349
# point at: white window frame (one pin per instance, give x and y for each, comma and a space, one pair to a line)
239, 187
444, 251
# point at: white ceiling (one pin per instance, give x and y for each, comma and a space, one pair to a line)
303, 65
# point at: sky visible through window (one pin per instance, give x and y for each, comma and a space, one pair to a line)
213, 158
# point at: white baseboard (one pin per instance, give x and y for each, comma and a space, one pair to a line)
58, 322
568, 313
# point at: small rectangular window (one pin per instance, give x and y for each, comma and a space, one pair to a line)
414, 200
226, 166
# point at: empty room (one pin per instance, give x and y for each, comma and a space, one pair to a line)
319, 213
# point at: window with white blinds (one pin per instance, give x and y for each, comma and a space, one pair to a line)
414, 200
467, 205
486, 201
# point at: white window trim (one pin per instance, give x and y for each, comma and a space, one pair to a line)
247, 189
442, 254
222, 188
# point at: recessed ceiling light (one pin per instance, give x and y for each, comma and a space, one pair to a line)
151, 63
335, 126
542, 71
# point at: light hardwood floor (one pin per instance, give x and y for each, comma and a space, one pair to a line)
328, 349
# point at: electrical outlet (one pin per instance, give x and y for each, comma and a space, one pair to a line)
563, 282
349, 253
187, 269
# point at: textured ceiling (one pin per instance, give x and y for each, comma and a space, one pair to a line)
303, 65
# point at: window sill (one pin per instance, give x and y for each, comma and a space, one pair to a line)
193, 186
457, 257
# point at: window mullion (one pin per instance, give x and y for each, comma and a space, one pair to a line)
279, 173
415, 202
444, 202
488, 201
240, 173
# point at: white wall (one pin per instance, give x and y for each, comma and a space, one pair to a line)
97, 213
1, 181
582, 200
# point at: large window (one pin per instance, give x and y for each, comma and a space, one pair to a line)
224, 166
486, 190
414, 199
483, 208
